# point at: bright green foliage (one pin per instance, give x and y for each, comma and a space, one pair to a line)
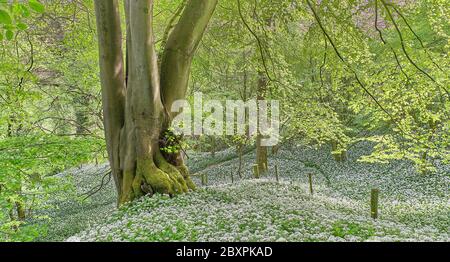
369, 71
28, 176
13, 14
171, 143
350, 85
50, 117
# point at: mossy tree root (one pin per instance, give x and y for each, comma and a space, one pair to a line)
155, 175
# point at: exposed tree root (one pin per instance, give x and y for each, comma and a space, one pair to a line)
175, 175
155, 175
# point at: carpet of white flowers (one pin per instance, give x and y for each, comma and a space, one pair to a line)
413, 207
72, 214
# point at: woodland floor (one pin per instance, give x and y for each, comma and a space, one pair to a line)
413, 207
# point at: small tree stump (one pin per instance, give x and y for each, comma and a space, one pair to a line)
255, 171
276, 173
374, 203
310, 184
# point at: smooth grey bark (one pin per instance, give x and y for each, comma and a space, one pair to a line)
136, 102
180, 48
112, 79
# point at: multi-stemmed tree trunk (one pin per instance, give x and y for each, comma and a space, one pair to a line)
137, 94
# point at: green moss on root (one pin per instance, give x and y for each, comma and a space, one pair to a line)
172, 171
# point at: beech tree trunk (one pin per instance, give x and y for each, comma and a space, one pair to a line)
137, 95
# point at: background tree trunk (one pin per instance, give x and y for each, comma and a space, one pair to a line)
261, 151
81, 115
240, 149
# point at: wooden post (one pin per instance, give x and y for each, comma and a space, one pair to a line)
255, 171
374, 203
232, 177
204, 179
310, 183
276, 173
